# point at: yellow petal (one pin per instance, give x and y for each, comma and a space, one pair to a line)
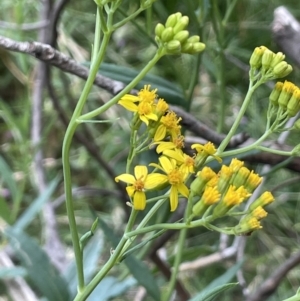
144, 119
160, 133
173, 198
125, 177
130, 106
130, 190
139, 200
141, 171
155, 179
177, 155
183, 190
166, 164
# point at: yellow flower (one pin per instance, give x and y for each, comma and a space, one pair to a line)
175, 177
185, 162
176, 143
231, 198
169, 125
140, 182
142, 104
210, 196
265, 199
206, 150
203, 177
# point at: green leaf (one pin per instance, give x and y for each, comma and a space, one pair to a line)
218, 285
111, 287
166, 89
39, 269
26, 218
143, 275
210, 295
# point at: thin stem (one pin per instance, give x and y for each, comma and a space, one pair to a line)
66, 163
237, 121
97, 37
129, 87
81, 296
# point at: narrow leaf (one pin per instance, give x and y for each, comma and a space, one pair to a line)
39, 269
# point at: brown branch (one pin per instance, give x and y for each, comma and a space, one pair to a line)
50, 55
270, 285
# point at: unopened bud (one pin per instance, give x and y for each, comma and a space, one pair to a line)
173, 47
159, 28
172, 20
279, 57
187, 47
167, 34
181, 36
193, 39
198, 47
287, 91
267, 59
282, 69
296, 125
181, 24
274, 96
256, 57
293, 105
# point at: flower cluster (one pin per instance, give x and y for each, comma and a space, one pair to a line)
217, 194
287, 97
270, 64
174, 37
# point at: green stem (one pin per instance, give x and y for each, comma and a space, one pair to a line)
81, 296
96, 45
66, 163
127, 89
247, 148
242, 111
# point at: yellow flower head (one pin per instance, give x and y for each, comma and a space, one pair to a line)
247, 226
206, 150
169, 124
175, 177
265, 199
161, 107
185, 162
146, 95
176, 143
203, 177
236, 164
252, 181
259, 213
140, 182
210, 196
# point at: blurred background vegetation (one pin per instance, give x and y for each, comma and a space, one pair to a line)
209, 86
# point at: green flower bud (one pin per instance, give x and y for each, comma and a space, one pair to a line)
167, 34
296, 125
276, 93
286, 94
159, 28
293, 105
267, 59
256, 57
279, 57
193, 39
181, 36
198, 47
187, 47
172, 20
181, 24
173, 47
282, 69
